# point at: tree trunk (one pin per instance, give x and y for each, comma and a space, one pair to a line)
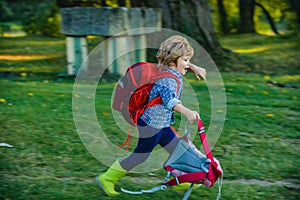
270, 19
246, 16
121, 3
295, 5
191, 17
223, 18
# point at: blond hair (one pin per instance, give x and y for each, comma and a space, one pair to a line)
172, 49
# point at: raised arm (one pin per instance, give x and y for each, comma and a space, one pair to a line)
198, 71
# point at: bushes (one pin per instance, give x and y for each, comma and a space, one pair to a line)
42, 18
36, 17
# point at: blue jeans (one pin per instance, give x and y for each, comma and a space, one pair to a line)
149, 137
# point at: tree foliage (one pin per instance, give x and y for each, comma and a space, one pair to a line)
6, 13
43, 16
282, 13
37, 17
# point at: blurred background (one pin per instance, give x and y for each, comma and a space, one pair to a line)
254, 43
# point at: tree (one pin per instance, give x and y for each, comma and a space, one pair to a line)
191, 17
5, 12
295, 5
246, 16
223, 18
42, 18
269, 18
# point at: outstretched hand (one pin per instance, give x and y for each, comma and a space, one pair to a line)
192, 116
198, 71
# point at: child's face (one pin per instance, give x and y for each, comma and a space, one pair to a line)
183, 64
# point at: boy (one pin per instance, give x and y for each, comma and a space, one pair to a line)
154, 125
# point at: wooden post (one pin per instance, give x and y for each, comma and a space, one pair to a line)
76, 53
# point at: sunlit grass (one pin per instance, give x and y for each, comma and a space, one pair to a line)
19, 57
252, 50
263, 54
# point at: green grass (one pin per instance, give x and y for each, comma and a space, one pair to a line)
11, 29
260, 140
273, 55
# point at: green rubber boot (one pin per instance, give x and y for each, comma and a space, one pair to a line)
108, 179
185, 186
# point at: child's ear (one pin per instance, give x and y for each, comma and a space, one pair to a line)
172, 64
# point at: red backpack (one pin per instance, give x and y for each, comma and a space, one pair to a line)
206, 175
186, 165
131, 96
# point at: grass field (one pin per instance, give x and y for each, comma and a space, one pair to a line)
258, 147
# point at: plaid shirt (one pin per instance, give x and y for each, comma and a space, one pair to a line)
161, 116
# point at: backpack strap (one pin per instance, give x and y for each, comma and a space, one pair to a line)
220, 181
190, 177
132, 78
205, 144
128, 139
155, 189
188, 192
158, 188
209, 155
131, 70
169, 74
157, 100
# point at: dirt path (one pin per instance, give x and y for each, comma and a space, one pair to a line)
289, 183
284, 183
